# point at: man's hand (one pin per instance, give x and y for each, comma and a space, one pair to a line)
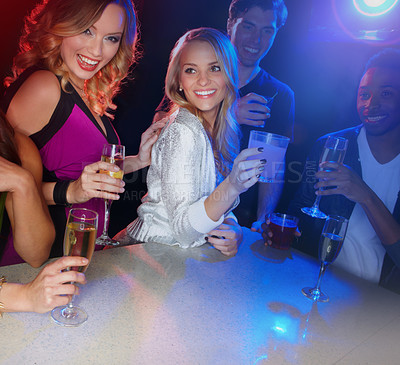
252, 110
344, 182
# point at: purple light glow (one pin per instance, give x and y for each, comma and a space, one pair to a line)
374, 7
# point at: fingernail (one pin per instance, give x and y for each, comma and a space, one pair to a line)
260, 149
84, 260
206, 238
261, 168
258, 175
263, 161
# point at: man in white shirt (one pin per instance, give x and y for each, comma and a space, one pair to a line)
366, 187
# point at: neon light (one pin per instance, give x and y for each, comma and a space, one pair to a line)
374, 3
374, 7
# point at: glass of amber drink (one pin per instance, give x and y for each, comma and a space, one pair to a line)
79, 238
115, 154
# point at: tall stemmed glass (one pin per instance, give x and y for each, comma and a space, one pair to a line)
112, 153
334, 151
330, 244
79, 238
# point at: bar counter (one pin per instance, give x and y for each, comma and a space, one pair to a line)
154, 304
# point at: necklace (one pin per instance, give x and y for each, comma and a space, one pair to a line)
80, 90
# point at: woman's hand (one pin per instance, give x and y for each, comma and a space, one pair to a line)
143, 158
245, 173
51, 287
227, 237
93, 184
149, 137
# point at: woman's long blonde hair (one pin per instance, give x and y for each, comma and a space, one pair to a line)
225, 134
53, 20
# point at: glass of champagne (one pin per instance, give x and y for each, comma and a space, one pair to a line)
112, 153
79, 239
330, 244
334, 151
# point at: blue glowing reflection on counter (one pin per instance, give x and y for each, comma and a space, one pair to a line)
285, 328
261, 358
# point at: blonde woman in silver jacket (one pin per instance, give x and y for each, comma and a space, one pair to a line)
196, 177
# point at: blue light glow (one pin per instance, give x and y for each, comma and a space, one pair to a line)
285, 328
262, 357
279, 329
374, 7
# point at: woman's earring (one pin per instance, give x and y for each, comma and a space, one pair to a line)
180, 88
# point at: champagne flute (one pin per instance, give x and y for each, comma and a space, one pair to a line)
112, 153
330, 244
334, 151
79, 240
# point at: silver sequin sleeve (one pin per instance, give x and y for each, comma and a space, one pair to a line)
182, 174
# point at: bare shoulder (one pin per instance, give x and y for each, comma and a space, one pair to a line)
34, 103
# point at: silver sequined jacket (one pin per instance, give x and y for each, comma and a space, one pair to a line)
181, 176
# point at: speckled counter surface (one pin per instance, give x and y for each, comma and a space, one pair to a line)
153, 304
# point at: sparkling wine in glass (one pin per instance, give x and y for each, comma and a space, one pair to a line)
79, 240
334, 151
330, 244
112, 153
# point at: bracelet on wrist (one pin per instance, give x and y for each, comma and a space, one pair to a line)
60, 192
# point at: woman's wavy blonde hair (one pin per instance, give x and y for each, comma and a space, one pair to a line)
53, 20
225, 135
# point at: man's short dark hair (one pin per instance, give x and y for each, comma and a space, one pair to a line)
387, 58
238, 7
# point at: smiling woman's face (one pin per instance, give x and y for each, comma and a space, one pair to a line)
202, 78
88, 52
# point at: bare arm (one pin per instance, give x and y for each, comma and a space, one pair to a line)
244, 174
349, 184
30, 111
385, 226
33, 231
47, 290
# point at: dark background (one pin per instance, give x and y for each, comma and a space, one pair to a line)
320, 61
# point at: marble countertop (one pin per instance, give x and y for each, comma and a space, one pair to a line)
154, 304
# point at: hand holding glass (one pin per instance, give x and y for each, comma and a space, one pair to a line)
79, 238
334, 151
330, 244
112, 153
274, 152
283, 228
